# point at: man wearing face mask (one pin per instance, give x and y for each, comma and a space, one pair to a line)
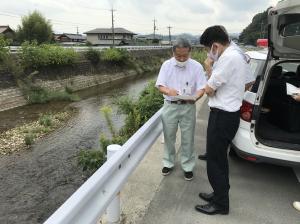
180, 75
225, 90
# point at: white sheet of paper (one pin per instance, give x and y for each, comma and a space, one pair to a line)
185, 97
291, 89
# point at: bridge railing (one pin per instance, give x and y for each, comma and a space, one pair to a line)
90, 201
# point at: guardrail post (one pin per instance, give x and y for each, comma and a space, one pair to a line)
114, 209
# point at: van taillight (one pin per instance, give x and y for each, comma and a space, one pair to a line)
246, 111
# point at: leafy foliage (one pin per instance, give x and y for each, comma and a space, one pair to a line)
93, 56
36, 94
256, 29
45, 120
137, 113
4, 51
91, 160
29, 138
35, 27
199, 55
35, 56
115, 55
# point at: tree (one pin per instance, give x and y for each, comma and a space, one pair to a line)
256, 29
35, 27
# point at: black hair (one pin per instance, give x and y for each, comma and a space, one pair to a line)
214, 34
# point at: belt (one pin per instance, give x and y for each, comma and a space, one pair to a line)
214, 109
180, 102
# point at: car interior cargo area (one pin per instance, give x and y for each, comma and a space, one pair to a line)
278, 124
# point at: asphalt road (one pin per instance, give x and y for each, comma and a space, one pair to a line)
260, 193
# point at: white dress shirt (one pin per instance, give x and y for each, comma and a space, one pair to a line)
250, 77
229, 76
187, 80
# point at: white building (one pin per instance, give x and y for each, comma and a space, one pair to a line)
104, 36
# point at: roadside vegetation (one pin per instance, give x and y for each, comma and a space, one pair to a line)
24, 136
34, 56
199, 55
109, 56
137, 113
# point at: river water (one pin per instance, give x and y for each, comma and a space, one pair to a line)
35, 182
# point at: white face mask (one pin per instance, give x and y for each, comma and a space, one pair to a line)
213, 56
181, 64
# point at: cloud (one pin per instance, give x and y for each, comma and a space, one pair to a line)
190, 16
244, 5
146, 6
196, 7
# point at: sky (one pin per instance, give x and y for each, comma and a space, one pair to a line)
190, 16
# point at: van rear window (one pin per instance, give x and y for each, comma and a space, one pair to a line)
291, 30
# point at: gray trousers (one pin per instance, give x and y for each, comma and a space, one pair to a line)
184, 116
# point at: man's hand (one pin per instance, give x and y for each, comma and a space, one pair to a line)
168, 91
208, 63
172, 92
200, 93
296, 97
209, 91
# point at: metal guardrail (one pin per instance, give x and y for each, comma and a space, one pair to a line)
15, 49
89, 202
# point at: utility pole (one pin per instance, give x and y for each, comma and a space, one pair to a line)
113, 26
154, 28
170, 40
77, 30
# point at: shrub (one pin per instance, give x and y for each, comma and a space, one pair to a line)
93, 56
35, 56
4, 51
45, 120
199, 55
88, 43
115, 55
36, 94
91, 160
29, 138
137, 113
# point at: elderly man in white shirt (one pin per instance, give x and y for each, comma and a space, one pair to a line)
225, 89
180, 75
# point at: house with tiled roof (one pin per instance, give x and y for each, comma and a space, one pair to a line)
104, 36
69, 37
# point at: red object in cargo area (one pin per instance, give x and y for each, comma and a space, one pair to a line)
262, 42
246, 111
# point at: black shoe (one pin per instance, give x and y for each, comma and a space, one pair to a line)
203, 157
207, 197
188, 175
211, 209
166, 171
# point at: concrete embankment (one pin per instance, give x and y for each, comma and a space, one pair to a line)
79, 76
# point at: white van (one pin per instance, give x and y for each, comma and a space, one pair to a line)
270, 119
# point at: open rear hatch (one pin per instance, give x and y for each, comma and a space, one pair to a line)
278, 120
284, 30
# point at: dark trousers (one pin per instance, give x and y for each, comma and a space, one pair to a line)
222, 127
